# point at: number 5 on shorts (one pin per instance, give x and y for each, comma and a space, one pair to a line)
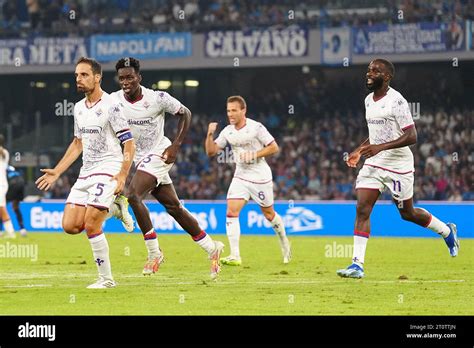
100, 187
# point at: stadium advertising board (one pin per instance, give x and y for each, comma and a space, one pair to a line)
408, 38
317, 218
335, 46
42, 51
257, 43
107, 48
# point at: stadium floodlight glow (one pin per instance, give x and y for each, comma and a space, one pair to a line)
164, 84
65, 85
191, 83
40, 84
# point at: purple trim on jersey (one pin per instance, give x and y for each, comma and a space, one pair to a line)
376, 100
130, 101
95, 174
269, 207
179, 108
388, 170
408, 127
97, 102
270, 142
367, 188
253, 182
123, 130
241, 127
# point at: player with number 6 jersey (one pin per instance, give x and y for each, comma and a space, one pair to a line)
251, 143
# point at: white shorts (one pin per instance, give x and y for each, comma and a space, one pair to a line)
96, 190
3, 195
154, 165
400, 185
260, 193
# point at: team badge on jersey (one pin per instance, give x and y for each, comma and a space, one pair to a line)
99, 113
146, 105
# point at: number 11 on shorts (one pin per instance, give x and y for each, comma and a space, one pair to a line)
395, 182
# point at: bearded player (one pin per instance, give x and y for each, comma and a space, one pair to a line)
251, 143
145, 111
388, 164
100, 129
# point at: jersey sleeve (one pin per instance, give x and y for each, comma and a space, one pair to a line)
264, 135
221, 140
167, 103
119, 124
77, 133
402, 114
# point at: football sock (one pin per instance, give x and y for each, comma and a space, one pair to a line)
437, 225
19, 217
100, 251
360, 244
233, 234
151, 242
205, 242
8, 226
278, 226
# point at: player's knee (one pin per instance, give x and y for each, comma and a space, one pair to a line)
71, 228
269, 215
363, 211
134, 199
174, 209
232, 213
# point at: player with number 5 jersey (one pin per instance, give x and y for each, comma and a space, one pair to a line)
100, 130
251, 143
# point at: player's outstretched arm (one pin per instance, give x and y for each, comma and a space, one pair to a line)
128, 155
171, 151
51, 175
211, 147
408, 138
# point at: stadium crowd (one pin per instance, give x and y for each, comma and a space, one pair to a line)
86, 17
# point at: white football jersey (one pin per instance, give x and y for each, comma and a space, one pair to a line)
253, 136
3, 167
387, 119
99, 127
146, 118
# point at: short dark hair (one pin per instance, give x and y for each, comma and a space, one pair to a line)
388, 65
95, 65
238, 99
128, 62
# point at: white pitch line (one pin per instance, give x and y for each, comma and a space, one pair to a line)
28, 286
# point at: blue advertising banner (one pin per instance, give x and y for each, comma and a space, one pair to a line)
409, 38
42, 51
107, 48
301, 218
257, 43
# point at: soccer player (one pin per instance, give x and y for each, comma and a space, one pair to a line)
4, 216
100, 129
388, 164
251, 143
145, 111
15, 194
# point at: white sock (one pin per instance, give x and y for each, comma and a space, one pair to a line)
278, 226
114, 210
233, 234
437, 225
358, 254
205, 242
151, 242
100, 250
8, 226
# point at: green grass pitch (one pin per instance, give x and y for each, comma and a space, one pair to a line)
403, 277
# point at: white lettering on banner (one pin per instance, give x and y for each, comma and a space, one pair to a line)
268, 43
163, 221
135, 47
46, 219
296, 219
